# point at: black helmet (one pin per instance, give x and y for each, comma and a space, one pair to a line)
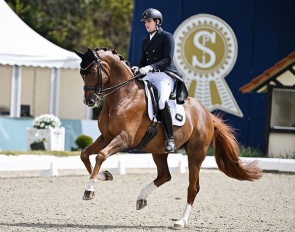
152, 14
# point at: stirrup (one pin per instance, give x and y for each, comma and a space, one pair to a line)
170, 146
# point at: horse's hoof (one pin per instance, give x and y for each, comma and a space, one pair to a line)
141, 203
88, 195
180, 225
108, 175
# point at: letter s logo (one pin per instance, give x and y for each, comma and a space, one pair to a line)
200, 40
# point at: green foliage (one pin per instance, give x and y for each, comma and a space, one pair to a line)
83, 141
79, 23
250, 152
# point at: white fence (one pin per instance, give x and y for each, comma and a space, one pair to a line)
120, 163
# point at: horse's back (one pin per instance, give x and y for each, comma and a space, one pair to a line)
199, 127
196, 113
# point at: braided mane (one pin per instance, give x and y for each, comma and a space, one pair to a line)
121, 58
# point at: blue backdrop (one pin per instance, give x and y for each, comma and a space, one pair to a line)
265, 32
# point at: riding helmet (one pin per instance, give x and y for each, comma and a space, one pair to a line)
152, 14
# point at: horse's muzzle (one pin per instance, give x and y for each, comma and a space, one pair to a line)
89, 103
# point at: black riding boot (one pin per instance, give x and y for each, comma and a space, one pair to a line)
168, 128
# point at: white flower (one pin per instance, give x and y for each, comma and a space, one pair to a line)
46, 121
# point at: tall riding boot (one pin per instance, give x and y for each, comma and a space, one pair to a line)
168, 128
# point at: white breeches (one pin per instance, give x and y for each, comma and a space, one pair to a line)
164, 85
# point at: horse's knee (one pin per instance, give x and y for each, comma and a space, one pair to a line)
100, 158
84, 155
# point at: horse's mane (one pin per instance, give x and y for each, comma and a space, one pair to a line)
114, 52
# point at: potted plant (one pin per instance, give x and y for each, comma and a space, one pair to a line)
83, 141
46, 134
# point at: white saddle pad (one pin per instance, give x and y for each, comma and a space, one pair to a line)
177, 111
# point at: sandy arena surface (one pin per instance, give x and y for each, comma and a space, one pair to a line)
223, 204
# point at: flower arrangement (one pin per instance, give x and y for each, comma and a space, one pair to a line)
46, 121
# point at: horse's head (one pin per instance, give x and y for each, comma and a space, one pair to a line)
95, 73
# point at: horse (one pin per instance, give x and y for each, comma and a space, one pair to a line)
123, 122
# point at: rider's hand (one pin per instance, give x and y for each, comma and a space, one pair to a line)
145, 69
135, 70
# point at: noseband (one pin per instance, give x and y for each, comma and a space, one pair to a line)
98, 89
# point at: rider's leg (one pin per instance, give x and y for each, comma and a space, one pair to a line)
168, 128
165, 87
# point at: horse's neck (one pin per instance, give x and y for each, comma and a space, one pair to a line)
119, 72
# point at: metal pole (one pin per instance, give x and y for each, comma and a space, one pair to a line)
54, 91
15, 101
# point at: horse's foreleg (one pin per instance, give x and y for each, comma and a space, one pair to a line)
84, 156
94, 148
162, 177
104, 175
116, 145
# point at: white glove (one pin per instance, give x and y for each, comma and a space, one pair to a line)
135, 70
145, 70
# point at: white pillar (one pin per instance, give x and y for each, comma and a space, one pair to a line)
15, 93
54, 91
88, 114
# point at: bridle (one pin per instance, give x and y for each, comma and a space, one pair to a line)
99, 90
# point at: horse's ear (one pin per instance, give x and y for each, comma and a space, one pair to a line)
92, 54
80, 54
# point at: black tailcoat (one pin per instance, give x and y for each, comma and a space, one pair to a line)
158, 53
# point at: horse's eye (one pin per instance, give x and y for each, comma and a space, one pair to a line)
84, 72
93, 74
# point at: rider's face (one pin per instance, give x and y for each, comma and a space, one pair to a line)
150, 25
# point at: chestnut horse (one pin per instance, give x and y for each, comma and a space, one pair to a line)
124, 120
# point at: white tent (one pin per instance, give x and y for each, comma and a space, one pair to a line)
22, 46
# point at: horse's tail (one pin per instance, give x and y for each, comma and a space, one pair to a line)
226, 151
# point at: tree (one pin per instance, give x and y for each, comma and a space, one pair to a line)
79, 23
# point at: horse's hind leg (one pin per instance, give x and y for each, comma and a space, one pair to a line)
193, 188
162, 177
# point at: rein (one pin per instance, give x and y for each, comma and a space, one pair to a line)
113, 88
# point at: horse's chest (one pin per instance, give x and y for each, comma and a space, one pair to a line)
111, 124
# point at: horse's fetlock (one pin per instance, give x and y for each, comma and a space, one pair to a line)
165, 178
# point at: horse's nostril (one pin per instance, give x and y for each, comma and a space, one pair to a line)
90, 103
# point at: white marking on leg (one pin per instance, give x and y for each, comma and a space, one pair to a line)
147, 190
90, 186
183, 221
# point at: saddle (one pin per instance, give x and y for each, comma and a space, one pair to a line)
177, 113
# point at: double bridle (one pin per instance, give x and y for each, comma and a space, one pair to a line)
99, 90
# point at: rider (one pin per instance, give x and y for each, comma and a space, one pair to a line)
156, 63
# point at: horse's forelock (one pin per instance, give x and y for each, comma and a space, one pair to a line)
86, 61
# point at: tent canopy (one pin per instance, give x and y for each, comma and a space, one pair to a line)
20, 45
